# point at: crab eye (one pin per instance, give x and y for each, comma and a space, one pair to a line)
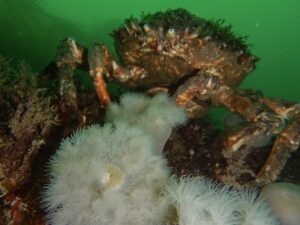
171, 31
146, 28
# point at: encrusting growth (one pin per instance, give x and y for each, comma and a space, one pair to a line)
27, 118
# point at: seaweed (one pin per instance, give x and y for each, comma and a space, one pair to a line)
27, 119
180, 19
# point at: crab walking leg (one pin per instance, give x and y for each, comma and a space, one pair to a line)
263, 123
67, 89
285, 109
99, 60
196, 88
205, 87
266, 124
287, 141
100, 86
258, 112
68, 57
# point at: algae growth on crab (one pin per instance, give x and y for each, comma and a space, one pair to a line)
238, 56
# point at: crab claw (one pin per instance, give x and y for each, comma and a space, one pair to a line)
69, 53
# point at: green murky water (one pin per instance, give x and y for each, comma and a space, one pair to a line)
31, 29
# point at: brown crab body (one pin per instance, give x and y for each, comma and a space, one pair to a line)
164, 71
171, 50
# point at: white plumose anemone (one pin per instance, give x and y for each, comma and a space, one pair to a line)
113, 174
255, 210
105, 175
199, 201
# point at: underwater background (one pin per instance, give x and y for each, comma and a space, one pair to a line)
32, 29
38, 112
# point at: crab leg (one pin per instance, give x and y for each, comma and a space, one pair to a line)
101, 64
206, 87
69, 55
99, 59
263, 123
199, 87
287, 142
129, 77
286, 110
100, 87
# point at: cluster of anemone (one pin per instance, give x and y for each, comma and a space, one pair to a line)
116, 174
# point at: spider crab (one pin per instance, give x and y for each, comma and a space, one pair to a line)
199, 63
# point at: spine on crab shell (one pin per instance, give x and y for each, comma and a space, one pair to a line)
181, 19
154, 34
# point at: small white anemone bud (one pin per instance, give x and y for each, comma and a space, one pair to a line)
199, 201
157, 115
284, 199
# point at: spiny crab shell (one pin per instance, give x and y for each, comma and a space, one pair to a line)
174, 45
